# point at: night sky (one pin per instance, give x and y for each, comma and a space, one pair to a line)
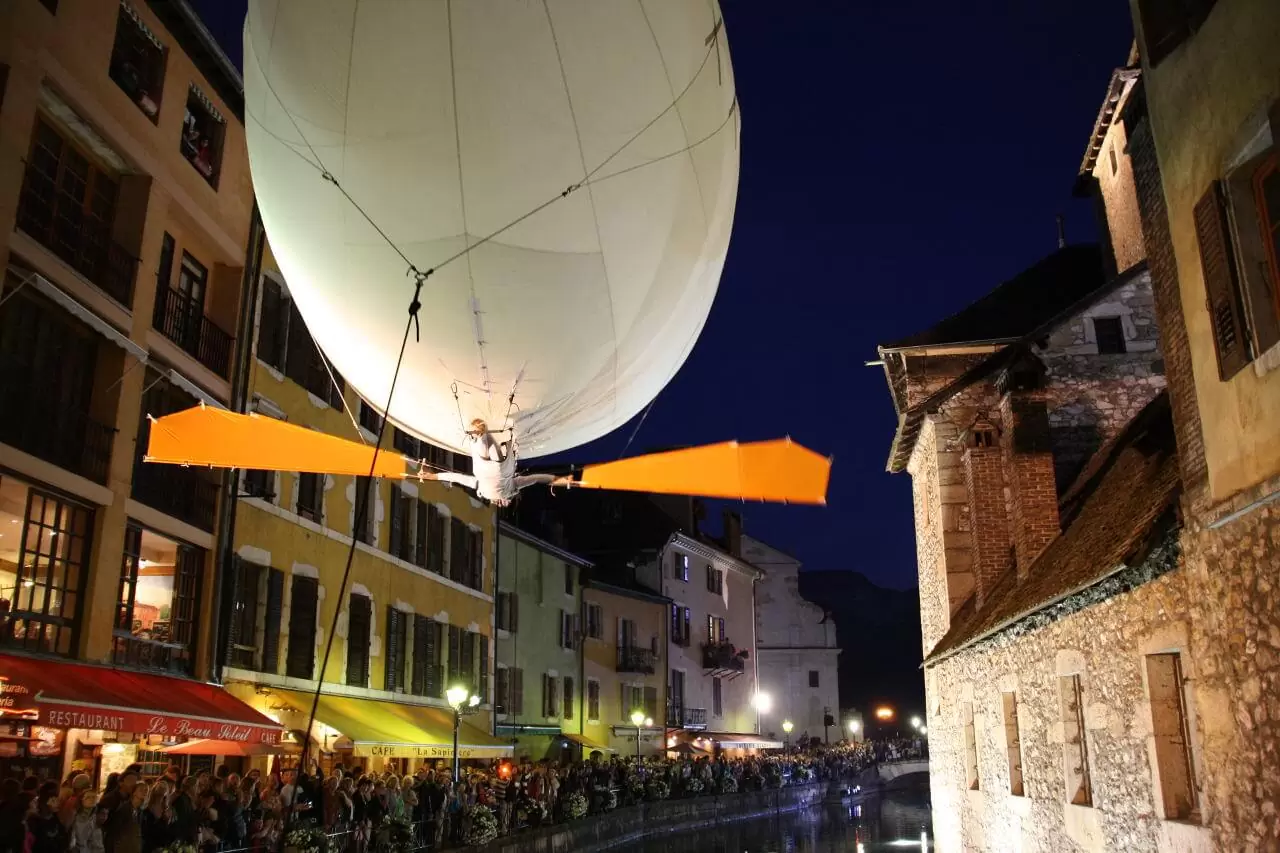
899, 159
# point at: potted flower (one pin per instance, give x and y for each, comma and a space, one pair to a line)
575, 806
483, 826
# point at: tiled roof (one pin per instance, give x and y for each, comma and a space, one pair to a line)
1020, 304
1109, 517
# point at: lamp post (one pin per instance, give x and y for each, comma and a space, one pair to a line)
637, 718
853, 728
786, 730
762, 702
462, 701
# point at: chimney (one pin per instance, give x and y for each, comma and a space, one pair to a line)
733, 533
988, 512
1028, 455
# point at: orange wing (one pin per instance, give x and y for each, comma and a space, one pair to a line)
779, 471
215, 438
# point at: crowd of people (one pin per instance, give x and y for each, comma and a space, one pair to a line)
351, 811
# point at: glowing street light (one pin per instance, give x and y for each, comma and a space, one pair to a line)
462, 701
762, 702
853, 727
916, 722
884, 713
787, 726
638, 720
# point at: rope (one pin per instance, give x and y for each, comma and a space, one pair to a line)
346, 407
361, 519
635, 431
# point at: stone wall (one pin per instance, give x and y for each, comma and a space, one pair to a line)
625, 825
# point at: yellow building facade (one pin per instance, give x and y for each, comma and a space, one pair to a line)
125, 212
416, 616
624, 663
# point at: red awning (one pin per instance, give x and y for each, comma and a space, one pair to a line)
206, 746
82, 696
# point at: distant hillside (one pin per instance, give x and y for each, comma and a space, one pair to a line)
879, 633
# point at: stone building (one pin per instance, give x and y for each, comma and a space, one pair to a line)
1205, 142
1099, 652
796, 651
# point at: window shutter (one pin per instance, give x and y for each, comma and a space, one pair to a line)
688, 632
303, 601
1264, 294
272, 330
568, 697
503, 691
477, 560
546, 695
238, 568
358, 618
624, 699
432, 685
483, 679
418, 678
575, 628
435, 539
501, 608
455, 653
513, 603
1222, 288
651, 702
394, 662
275, 611
397, 522
423, 531
720, 625
517, 691
457, 546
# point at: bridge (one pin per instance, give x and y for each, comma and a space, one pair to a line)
890, 774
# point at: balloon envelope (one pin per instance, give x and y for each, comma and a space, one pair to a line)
445, 122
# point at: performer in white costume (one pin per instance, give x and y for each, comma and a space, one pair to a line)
494, 476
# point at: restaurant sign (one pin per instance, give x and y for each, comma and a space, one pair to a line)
150, 723
409, 750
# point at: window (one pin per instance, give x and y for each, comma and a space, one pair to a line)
813, 678
68, 203
466, 554
680, 628
593, 700
137, 62
397, 650
482, 679
466, 674
260, 484
310, 495
273, 324
970, 746
550, 696
369, 418
651, 702
405, 443
428, 674
364, 521
715, 580
1168, 23
304, 600
402, 513
517, 690
159, 587
595, 621
203, 129
632, 700
507, 605
1171, 728
359, 621
568, 579
1013, 742
715, 630
717, 697
1075, 747
502, 690
1115, 166
680, 567
568, 697
1109, 332
285, 344
568, 630
242, 642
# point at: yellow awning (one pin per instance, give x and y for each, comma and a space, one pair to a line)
396, 730
780, 471
216, 438
586, 742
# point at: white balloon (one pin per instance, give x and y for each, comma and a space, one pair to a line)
446, 121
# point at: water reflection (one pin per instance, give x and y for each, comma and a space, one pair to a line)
897, 821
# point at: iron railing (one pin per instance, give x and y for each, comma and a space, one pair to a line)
184, 493
637, 659
84, 242
722, 656
679, 717
139, 653
182, 320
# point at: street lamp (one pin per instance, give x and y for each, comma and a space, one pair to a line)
637, 719
787, 726
462, 701
853, 727
916, 723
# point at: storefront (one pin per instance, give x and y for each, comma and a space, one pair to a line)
60, 716
378, 735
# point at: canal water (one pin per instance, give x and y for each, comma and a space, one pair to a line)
897, 821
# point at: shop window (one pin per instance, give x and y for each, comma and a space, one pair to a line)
137, 62
159, 588
203, 131
44, 546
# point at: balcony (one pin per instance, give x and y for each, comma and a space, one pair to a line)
84, 242
686, 718
184, 493
37, 419
139, 653
182, 320
632, 659
721, 658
